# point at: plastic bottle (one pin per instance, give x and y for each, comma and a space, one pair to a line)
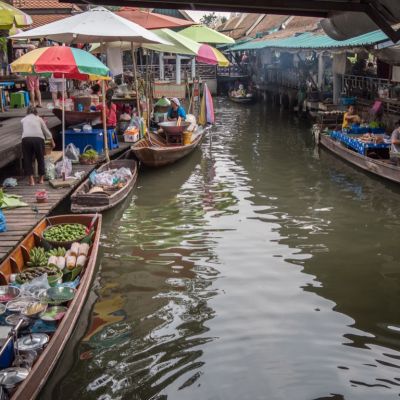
80, 107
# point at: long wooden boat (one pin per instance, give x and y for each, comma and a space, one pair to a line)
83, 202
77, 117
153, 151
242, 99
381, 168
15, 262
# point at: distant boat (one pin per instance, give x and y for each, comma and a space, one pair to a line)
243, 99
153, 151
382, 168
84, 202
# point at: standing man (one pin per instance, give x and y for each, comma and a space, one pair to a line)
56, 86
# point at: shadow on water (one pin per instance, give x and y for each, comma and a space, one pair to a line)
257, 268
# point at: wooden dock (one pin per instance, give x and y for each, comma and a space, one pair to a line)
22, 220
11, 133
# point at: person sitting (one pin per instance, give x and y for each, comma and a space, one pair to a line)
176, 110
111, 109
34, 132
395, 143
350, 117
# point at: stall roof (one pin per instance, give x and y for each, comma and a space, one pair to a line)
309, 40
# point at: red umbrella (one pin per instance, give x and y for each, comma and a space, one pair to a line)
151, 20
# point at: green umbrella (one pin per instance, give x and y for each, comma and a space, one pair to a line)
11, 16
204, 34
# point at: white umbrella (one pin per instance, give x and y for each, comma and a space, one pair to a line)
95, 25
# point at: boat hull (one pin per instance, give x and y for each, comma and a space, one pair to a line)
83, 202
242, 100
155, 153
376, 167
47, 360
76, 117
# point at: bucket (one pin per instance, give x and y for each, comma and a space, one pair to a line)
187, 138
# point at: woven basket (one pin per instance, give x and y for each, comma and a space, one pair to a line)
86, 161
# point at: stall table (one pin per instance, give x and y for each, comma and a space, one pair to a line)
364, 148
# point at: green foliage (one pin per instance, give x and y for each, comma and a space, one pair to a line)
209, 19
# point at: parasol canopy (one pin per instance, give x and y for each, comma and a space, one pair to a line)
61, 61
96, 25
11, 16
179, 45
204, 34
151, 20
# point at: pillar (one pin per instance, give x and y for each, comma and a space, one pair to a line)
178, 69
320, 70
337, 87
161, 63
193, 68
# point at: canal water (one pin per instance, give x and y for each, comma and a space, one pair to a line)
258, 268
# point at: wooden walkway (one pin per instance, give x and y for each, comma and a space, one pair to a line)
11, 138
22, 220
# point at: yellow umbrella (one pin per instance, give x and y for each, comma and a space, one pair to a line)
11, 16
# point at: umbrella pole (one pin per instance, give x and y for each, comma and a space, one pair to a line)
63, 124
135, 79
103, 93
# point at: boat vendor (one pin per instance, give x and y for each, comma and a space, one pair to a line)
111, 109
176, 110
34, 132
350, 117
395, 143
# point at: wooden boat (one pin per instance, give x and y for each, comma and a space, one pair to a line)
242, 99
382, 168
44, 364
77, 117
153, 151
82, 201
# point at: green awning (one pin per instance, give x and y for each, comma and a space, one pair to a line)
313, 41
204, 34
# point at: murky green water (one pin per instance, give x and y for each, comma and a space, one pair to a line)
257, 268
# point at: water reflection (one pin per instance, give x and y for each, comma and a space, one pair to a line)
254, 269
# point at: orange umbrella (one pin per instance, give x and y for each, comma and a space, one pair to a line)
151, 20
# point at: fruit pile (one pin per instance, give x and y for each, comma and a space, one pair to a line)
65, 232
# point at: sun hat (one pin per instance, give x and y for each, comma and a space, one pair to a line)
176, 101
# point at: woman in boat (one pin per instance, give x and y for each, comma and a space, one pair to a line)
34, 132
350, 117
176, 110
395, 143
111, 109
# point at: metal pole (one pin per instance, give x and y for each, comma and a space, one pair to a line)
105, 133
135, 79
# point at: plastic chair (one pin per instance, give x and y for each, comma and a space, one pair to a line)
17, 100
26, 97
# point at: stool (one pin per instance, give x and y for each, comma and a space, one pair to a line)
112, 139
26, 97
17, 100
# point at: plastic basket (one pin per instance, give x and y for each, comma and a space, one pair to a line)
348, 101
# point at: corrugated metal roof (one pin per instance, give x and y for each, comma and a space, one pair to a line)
310, 40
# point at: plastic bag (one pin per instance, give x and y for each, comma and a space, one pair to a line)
104, 179
36, 287
64, 166
72, 152
50, 170
10, 182
123, 174
3, 225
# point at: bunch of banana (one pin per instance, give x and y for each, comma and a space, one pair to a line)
37, 257
58, 252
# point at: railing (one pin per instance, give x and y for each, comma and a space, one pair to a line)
203, 71
233, 70
363, 86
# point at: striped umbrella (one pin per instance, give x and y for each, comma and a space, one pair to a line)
210, 55
11, 16
61, 61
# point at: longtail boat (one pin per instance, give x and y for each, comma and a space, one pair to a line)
242, 99
153, 150
15, 263
85, 201
77, 117
380, 167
